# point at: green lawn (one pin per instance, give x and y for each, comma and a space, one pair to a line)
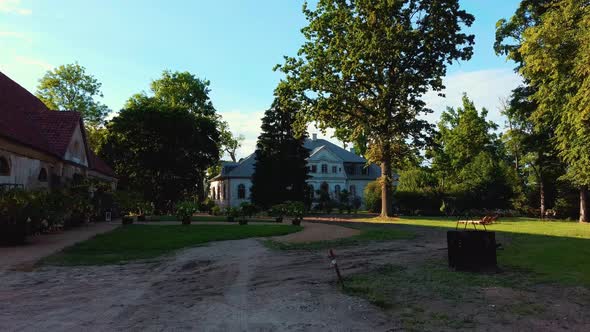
206, 218
553, 250
135, 242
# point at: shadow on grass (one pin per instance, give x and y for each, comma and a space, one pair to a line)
553, 251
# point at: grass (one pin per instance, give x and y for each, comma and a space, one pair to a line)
205, 218
554, 250
135, 242
369, 233
418, 293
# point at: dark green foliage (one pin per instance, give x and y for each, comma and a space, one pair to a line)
372, 197
161, 152
280, 170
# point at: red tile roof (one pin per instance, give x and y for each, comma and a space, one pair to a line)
26, 120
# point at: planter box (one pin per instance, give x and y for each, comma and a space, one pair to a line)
472, 250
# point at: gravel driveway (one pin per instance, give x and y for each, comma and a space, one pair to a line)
225, 286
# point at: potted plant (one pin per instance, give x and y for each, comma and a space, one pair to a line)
296, 210
185, 210
231, 214
127, 219
278, 211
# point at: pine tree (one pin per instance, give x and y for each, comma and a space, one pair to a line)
280, 170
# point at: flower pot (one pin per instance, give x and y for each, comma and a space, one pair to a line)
186, 220
243, 222
127, 220
13, 233
296, 222
279, 219
231, 219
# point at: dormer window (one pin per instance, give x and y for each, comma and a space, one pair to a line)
334, 169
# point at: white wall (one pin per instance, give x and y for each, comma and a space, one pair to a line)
25, 171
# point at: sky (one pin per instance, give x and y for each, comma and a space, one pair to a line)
232, 43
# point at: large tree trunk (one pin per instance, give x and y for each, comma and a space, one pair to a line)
386, 184
542, 197
584, 216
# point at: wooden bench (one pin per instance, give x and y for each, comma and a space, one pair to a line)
487, 220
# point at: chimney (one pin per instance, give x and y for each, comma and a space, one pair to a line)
314, 136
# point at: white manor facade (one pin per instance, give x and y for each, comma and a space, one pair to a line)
331, 168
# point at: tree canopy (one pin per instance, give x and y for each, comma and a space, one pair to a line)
70, 88
280, 170
366, 64
162, 152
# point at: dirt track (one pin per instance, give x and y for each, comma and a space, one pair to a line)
241, 285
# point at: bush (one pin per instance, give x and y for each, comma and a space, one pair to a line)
185, 210
373, 197
216, 210
207, 205
248, 209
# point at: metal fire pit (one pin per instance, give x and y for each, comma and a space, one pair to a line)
472, 250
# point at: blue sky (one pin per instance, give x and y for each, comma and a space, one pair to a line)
232, 43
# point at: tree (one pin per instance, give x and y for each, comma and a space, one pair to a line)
228, 141
467, 159
184, 90
161, 152
280, 171
179, 90
95, 136
556, 61
70, 88
365, 66
531, 146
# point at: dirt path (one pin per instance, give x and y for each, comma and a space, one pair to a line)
226, 286
313, 232
22, 257
243, 286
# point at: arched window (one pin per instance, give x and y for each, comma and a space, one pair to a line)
353, 190
218, 191
213, 193
337, 189
241, 191
42, 175
4, 167
324, 187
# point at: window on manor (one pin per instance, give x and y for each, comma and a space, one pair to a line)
353, 190
241, 191
324, 168
42, 175
334, 169
311, 190
213, 193
350, 169
314, 168
337, 190
4, 167
364, 171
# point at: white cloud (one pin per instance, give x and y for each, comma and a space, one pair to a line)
13, 7
32, 62
484, 87
15, 35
